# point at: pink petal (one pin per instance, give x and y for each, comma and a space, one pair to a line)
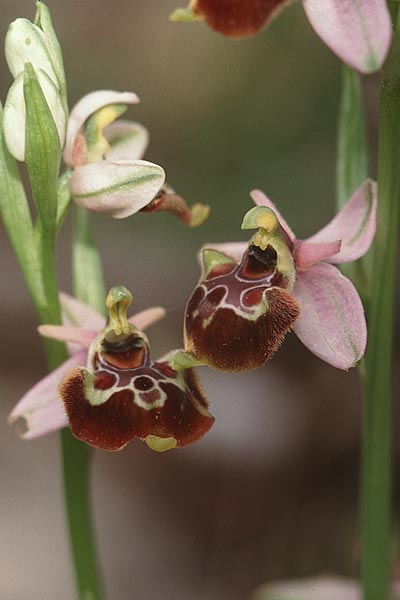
331, 322
307, 254
41, 407
261, 199
233, 249
77, 335
355, 225
78, 314
119, 188
127, 140
145, 318
86, 107
358, 31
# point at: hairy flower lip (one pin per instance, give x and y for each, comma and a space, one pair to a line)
41, 408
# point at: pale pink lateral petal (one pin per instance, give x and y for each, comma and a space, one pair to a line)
76, 313
40, 408
76, 335
307, 254
261, 199
127, 139
148, 317
312, 588
332, 321
233, 249
86, 107
119, 189
358, 31
355, 225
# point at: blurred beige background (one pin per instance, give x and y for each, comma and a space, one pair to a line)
271, 491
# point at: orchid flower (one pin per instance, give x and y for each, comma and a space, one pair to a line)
109, 175
110, 390
250, 295
358, 31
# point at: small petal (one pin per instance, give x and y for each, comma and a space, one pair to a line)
76, 335
14, 116
127, 139
87, 106
261, 199
25, 42
307, 254
41, 407
332, 321
358, 31
354, 225
78, 314
233, 249
119, 188
144, 319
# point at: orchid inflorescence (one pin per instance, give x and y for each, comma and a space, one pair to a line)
249, 296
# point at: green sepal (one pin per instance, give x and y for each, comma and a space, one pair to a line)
42, 151
211, 258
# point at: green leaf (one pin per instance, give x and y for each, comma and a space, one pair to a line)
42, 151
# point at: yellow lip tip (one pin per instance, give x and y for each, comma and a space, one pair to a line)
159, 444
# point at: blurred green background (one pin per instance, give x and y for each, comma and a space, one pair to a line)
271, 491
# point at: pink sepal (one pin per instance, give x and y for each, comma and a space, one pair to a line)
76, 313
41, 407
354, 225
307, 254
76, 335
261, 199
358, 31
332, 321
147, 317
86, 107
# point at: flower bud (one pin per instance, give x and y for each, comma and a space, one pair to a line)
35, 43
118, 188
14, 118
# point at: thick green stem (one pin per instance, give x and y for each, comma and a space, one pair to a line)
377, 446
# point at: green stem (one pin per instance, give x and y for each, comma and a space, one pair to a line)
75, 455
76, 469
377, 435
88, 287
